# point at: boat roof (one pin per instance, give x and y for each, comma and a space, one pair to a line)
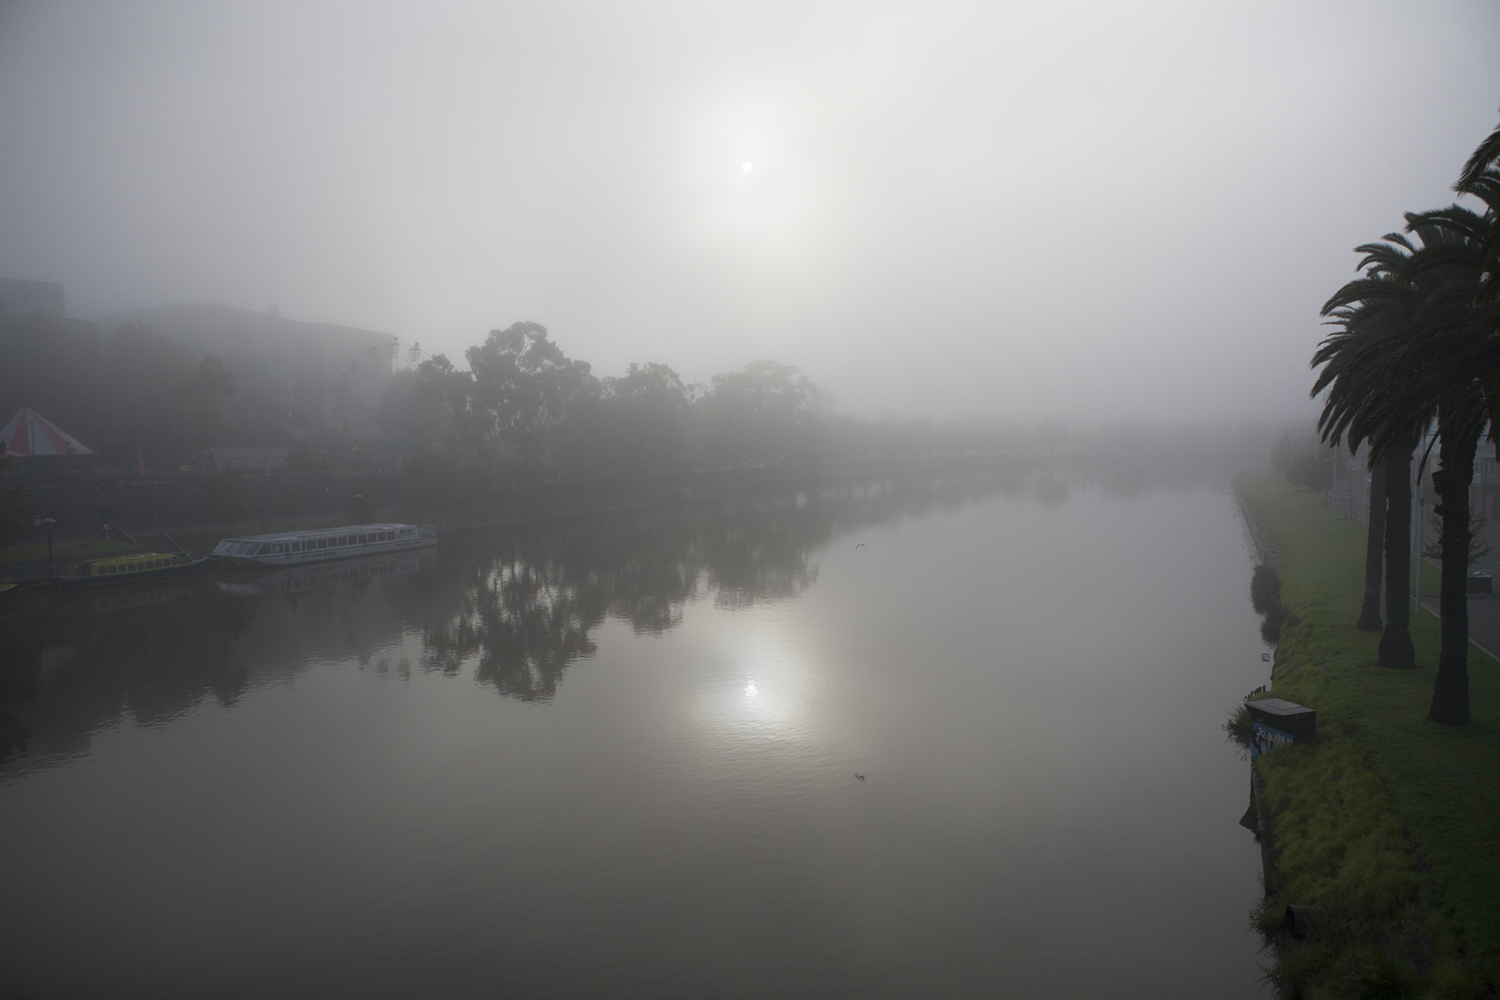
134, 557
317, 532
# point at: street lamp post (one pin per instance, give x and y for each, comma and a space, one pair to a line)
48, 522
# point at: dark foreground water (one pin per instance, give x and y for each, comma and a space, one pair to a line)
618, 758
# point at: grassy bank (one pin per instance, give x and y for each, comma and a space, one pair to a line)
32, 551
1389, 824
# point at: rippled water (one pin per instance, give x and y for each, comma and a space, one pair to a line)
618, 758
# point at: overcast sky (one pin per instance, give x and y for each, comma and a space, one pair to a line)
1086, 211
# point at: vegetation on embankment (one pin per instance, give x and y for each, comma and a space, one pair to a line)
63, 551
1389, 824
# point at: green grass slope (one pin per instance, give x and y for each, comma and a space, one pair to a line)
1389, 824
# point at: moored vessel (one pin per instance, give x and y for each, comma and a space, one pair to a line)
130, 568
290, 548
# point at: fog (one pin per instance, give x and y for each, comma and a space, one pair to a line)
1086, 211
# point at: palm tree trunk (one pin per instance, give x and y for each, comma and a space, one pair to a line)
1395, 644
1369, 612
1450, 693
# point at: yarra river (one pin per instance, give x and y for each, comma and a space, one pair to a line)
619, 757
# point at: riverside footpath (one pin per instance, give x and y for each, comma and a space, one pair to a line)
1388, 825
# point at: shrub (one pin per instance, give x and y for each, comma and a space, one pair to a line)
1265, 589
1265, 598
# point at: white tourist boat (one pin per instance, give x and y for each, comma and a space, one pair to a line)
291, 548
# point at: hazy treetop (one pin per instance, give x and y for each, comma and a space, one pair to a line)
1085, 211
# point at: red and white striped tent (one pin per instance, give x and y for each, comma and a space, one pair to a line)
29, 433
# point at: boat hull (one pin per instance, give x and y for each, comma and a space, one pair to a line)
329, 555
122, 579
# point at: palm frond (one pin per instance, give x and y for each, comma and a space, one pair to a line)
1485, 156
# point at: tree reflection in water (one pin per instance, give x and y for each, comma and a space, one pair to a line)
526, 602
73, 664
518, 607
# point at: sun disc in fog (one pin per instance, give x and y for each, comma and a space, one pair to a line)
747, 166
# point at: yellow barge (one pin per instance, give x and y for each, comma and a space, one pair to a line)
128, 569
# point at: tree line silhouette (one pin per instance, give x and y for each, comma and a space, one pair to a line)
524, 405
1416, 346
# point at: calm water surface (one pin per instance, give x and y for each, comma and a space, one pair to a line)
618, 758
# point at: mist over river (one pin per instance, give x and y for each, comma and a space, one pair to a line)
946, 738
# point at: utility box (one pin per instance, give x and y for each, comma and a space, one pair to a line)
1479, 583
1276, 723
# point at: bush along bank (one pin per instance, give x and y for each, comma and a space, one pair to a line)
1384, 834
1265, 598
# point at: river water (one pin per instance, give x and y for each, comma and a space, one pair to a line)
620, 757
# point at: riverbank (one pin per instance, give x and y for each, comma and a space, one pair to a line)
1388, 824
499, 509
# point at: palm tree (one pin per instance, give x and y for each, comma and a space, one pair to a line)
1369, 612
1451, 360
1419, 339
1395, 642
1373, 315
1481, 178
